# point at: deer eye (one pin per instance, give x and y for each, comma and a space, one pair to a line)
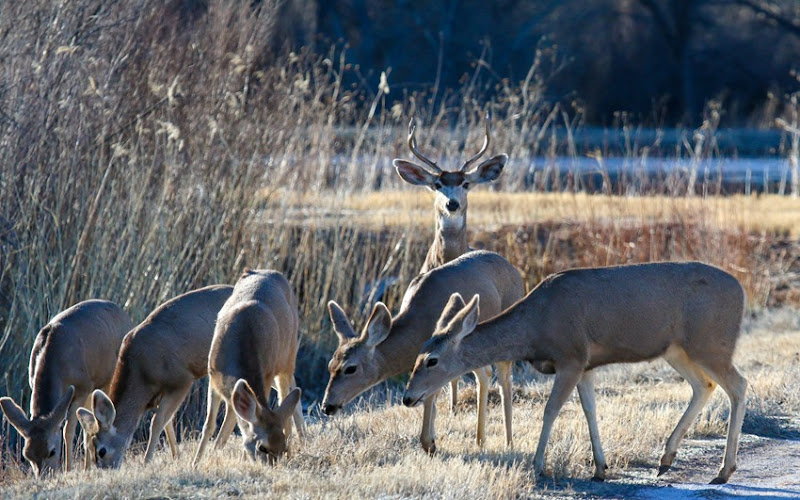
350, 370
52, 453
263, 449
432, 362
101, 452
437, 185
465, 185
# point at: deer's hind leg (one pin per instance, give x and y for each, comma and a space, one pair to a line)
729, 378
702, 387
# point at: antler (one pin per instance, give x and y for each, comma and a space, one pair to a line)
483, 149
412, 143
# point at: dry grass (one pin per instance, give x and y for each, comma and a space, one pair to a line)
147, 149
373, 450
489, 209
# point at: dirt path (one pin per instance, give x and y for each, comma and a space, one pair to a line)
768, 467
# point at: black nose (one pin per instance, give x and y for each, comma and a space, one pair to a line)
329, 409
452, 205
408, 401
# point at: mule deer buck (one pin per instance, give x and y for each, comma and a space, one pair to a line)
72, 355
450, 206
158, 362
690, 314
388, 346
255, 347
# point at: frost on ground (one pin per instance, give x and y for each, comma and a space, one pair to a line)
372, 450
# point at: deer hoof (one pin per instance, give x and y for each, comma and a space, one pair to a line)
430, 449
662, 469
719, 480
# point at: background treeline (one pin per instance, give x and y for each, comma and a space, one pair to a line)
660, 60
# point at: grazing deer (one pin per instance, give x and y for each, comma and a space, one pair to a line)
450, 205
388, 346
255, 347
72, 355
158, 362
689, 314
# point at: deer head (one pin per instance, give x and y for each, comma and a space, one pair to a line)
42, 433
450, 187
354, 367
439, 362
103, 441
264, 430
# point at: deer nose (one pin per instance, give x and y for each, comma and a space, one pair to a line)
452, 205
329, 409
408, 401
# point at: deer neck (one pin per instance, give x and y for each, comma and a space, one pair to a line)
510, 336
396, 355
131, 399
450, 240
47, 391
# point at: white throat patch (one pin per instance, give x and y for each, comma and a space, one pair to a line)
453, 222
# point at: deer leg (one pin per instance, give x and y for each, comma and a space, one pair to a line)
504, 378
69, 433
285, 384
166, 409
88, 448
428, 434
702, 387
586, 393
453, 395
565, 381
736, 387
212, 408
483, 377
172, 438
228, 423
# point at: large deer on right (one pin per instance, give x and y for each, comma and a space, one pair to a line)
450, 236
690, 314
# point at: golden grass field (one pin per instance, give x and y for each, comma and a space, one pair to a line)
372, 451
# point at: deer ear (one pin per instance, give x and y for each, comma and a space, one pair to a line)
413, 173
289, 403
488, 170
88, 423
244, 400
15, 416
59, 413
341, 325
454, 305
104, 410
468, 318
378, 325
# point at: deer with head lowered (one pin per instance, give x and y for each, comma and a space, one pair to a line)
255, 347
388, 345
72, 355
690, 314
158, 362
450, 208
